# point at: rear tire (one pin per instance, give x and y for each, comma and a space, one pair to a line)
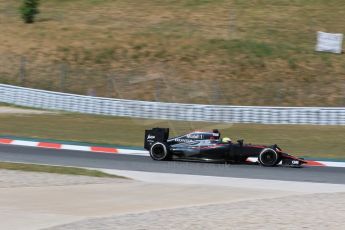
268, 157
159, 152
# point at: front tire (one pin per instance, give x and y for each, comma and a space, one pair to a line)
159, 152
269, 157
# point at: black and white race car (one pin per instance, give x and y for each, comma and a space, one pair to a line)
207, 146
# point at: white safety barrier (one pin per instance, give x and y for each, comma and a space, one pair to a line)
172, 111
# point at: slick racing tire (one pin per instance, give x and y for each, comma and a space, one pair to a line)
159, 152
268, 157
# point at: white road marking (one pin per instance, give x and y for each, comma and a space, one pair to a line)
25, 143
76, 147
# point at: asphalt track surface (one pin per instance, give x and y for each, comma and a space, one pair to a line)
142, 163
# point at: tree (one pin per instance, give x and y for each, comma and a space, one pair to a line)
29, 9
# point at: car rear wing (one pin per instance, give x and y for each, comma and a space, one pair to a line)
154, 135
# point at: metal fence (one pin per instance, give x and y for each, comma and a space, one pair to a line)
172, 111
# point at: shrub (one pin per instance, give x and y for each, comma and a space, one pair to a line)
29, 9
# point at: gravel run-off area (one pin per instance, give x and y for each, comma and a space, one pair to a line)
50, 201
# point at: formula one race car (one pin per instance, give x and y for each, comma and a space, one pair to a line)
207, 146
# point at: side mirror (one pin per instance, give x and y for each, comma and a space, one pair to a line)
240, 142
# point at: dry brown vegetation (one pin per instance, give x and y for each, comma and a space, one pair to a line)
257, 52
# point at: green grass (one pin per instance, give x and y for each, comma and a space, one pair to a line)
55, 169
301, 140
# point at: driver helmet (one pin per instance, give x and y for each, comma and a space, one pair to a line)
226, 140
